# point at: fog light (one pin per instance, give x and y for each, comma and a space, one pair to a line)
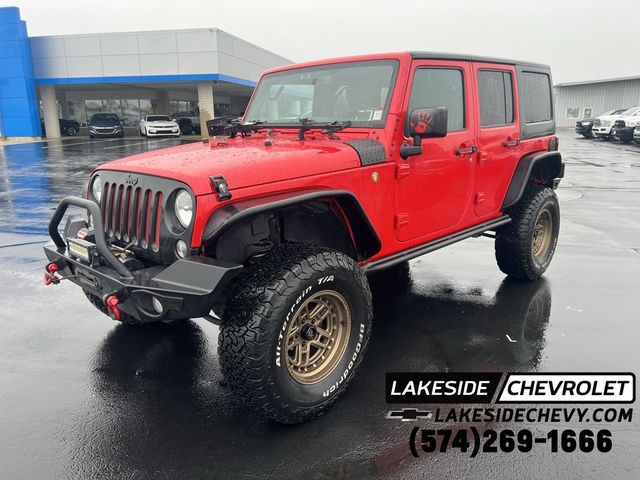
181, 249
157, 305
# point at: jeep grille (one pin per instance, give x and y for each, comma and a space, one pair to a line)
133, 214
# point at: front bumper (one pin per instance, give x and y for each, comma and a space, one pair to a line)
189, 287
584, 129
163, 132
107, 133
602, 131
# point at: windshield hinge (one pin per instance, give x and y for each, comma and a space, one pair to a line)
402, 170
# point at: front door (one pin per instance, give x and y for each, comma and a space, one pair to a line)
434, 188
498, 135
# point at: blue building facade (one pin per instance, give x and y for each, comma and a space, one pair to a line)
19, 113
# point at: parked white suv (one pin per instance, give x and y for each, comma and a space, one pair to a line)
604, 123
157, 125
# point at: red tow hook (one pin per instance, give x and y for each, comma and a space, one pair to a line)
112, 306
50, 274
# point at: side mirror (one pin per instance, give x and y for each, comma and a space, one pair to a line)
424, 123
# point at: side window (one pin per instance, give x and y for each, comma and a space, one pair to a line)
439, 87
496, 98
536, 97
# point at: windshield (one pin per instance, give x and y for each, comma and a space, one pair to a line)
632, 111
159, 118
105, 116
358, 92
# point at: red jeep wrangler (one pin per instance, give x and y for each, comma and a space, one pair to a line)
338, 169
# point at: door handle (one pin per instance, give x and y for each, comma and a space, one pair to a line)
462, 150
511, 143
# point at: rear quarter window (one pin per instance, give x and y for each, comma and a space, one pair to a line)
536, 97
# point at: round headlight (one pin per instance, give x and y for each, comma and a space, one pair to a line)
96, 188
184, 208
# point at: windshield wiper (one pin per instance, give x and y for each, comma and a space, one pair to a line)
327, 128
232, 126
336, 126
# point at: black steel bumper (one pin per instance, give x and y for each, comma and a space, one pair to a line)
189, 287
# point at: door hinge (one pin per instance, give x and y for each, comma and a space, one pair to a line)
479, 198
483, 157
402, 170
401, 219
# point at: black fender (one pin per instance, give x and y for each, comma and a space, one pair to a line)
367, 242
547, 166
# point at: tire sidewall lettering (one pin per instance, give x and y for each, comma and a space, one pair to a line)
308, 395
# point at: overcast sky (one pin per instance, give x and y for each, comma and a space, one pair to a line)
580, 39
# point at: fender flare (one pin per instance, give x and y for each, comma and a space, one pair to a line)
524, 169
367, 241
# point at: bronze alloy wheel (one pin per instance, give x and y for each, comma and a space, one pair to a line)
317, 337
542, 234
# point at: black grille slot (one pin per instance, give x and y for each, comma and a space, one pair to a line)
133, 215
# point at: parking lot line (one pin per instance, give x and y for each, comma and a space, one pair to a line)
139, 143
62, 144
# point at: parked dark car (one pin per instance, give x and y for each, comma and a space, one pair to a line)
67, 127
189, 122
584, 126
105, 125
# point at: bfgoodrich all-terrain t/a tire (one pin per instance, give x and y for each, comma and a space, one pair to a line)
525, 247
295, 330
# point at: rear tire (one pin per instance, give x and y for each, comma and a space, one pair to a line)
524, 248
282, 315
186, 128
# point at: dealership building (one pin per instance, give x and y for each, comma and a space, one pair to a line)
131, 74
577, 100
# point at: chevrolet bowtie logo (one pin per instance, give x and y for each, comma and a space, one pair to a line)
408, 414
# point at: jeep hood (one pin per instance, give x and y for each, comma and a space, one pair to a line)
244, 162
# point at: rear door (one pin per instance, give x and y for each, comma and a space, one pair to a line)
498, 134
434, 188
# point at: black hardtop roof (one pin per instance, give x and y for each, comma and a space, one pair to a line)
473, 58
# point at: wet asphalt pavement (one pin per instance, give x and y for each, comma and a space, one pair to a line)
82, 397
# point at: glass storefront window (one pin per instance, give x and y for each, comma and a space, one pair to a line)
75, 111
112, 106
146, 108
130, 112
222, 109
92, 107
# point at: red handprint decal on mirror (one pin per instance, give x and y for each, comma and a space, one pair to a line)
421, 122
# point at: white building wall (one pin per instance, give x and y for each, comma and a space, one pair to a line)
599, 97
140, 54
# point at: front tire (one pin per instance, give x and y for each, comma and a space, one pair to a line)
295, 330
524, 248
